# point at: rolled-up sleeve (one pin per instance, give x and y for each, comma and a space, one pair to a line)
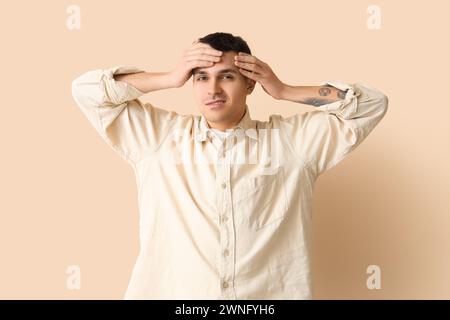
133, 129
325, 136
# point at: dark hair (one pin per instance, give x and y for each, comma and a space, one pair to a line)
226, 42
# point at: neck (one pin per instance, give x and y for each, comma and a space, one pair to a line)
220, 126
224, 126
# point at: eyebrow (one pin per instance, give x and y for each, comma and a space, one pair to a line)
199, 71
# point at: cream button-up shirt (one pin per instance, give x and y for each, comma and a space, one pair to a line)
231, 218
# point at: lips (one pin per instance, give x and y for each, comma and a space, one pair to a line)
215, 101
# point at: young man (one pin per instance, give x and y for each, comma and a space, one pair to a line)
226, 212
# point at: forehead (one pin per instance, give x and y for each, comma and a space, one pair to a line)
226, 65
218, 71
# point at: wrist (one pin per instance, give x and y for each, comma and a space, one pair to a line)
171, 80
284, 92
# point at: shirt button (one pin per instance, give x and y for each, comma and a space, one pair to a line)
224, 185
225, 252
224, 284
225, 218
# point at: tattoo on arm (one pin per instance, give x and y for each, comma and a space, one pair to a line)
315, 101
324, 91
341, 94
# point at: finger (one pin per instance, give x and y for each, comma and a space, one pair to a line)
249, 58
249, 74
197, 45
201, 45
248, 66
207, 50
200, 64
202, 57
244, 56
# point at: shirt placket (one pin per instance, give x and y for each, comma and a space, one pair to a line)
226, 223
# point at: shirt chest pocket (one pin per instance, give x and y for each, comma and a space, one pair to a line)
264, 201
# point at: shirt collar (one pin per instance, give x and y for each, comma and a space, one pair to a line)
246, 124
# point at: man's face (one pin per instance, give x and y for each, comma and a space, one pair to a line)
222, 81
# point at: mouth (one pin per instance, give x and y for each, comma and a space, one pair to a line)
216, 104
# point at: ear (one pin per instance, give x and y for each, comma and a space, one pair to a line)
250, 85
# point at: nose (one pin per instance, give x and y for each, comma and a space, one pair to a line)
214, 88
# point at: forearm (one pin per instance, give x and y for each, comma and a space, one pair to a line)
312, 95
147, 81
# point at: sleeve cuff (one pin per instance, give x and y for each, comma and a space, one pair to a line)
120, 91
344, 108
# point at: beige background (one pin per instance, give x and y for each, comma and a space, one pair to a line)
68, 199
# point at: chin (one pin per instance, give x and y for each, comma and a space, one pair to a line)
215, 117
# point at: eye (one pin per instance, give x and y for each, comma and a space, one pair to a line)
201, 77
